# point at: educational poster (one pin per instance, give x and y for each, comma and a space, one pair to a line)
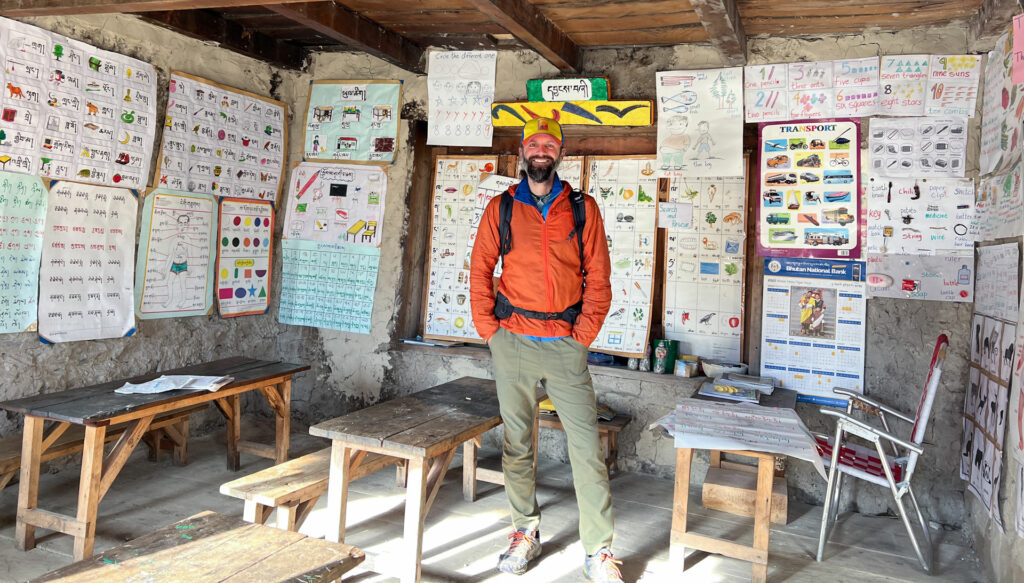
73, 111
814, 90
995, 291
352, 121
1020, 500
999, 206
704, 268
22, 226
925, 216
918, 147
809, 183
1015, 437
700, 123
222, 141
903, 81
953, 85
612, 112
458, 204
460, 87
328, 285
85, 273
813, 324
177, 255
948, 277
1002, 110
628, 199
335, 203
244, 260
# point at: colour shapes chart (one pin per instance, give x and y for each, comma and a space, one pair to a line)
813, 325
337, 203
809, 184
813, 90
222, 141
72, 111
244, 257
704, 268
328, 285
626, 191
919, 217
85, 275
22, 227
352, 121
177, 255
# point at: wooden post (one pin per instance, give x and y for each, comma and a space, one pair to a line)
337, 491
469, 471
233, 410
415, 506
28, 488
284, 421
680, 499
762, 515
90, 489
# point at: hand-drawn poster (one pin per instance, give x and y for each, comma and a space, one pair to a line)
177, 255
335, 203
813, 324
328, 284
856, 87
458, 204
766, 93
948, 277
1002, 110
919, 217
352, 121
953, 85
999, 206
902, 80
995, 291
918, 147
244, 257
460, 87
22, 226
72, 111
222, 141
809, 183
704, 268
845, 88
700, 123
85, 273
628, 198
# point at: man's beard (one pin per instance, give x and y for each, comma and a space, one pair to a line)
541, 173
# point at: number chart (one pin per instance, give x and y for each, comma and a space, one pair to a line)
814, 90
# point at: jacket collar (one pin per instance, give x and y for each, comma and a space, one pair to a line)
523, 195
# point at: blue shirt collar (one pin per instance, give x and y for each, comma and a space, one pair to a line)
523, 193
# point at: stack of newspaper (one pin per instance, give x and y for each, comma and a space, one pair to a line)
166, 383
738, 387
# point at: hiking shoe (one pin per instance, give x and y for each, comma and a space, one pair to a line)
523, 547
601, 567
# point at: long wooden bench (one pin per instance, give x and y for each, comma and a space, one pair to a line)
608, 430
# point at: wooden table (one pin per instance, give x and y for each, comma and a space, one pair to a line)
424, 428
210, 547
97, 407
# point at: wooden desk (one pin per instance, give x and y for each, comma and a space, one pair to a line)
97, 407
424, 428
210, 547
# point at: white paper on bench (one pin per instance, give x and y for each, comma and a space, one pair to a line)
166, 383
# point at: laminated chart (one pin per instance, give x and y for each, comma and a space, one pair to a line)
352, 121
628, 198
813, 324
85, 274
73, 111
221, 140
328, 285
704, 268
953, 85
335, 203
177, 255
920, 217
244, 257
22, 226
903, 80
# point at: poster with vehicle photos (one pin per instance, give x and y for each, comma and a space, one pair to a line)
704, 268
809, 180
457, 205
925, 216
918, 147
628, 198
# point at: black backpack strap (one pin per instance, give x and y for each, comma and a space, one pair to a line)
505, 225
579, 219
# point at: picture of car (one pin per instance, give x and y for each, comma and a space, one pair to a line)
781, 178
778, 219
809, 177
840, 215
812, 161
786, 235
772, 196
817, 144
776, 161
838, 177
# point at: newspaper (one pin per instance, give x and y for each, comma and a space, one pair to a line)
165, 383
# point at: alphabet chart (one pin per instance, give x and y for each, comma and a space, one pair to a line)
176, 255
72, 111
335, 203
920, 216
352, 121
221, 140
22, 225
328, 285
85, 274
244, 257
461, 90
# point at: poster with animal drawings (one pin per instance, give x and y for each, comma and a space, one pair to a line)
700, 123
352, 121
69, 110
177, 255
335, 203
22, 226
244, 257
626, 190
221, 140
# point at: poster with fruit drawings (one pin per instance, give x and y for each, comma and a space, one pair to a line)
352, 121
925, 216
626, 190
1002, 110
336, 203
222, 141
244, 256
73, 111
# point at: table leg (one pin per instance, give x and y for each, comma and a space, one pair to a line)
613, 459
762, 516
469, 470
337, 491
284, 421
415, 506
28, 488
90, 489
233, 412
680, 500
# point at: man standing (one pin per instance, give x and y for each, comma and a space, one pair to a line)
552, 298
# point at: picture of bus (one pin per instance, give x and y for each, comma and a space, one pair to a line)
834, 237
840, 216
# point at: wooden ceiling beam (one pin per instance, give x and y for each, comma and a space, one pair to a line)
526, 22
20, 8
358, 32
992, 18
721, 20
209, 26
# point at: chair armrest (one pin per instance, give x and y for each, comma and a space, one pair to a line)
862, 398
873, 430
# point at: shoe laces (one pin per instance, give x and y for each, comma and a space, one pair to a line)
609, 563
516, 538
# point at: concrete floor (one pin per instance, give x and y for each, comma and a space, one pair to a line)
462, 540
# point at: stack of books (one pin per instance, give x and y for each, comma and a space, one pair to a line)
738, 387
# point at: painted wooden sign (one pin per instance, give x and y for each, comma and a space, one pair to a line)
575, 89
606, 113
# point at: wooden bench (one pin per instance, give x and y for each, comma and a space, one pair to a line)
608, 430
293, 487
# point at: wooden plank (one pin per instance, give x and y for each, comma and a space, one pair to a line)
283, 420
255, 512
654, 9
259, 449
28, 488
469, 470
52, 521
721, 20
22, 8
719, 547
490, 476
89, 490
528, 24
233, 431
651, 36
415, 513
733, 491
308, 560
119, 455
416, 242
762, 517
337, 491
438, 468
379, 425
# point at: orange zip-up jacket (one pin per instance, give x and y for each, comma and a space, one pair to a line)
542, 271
